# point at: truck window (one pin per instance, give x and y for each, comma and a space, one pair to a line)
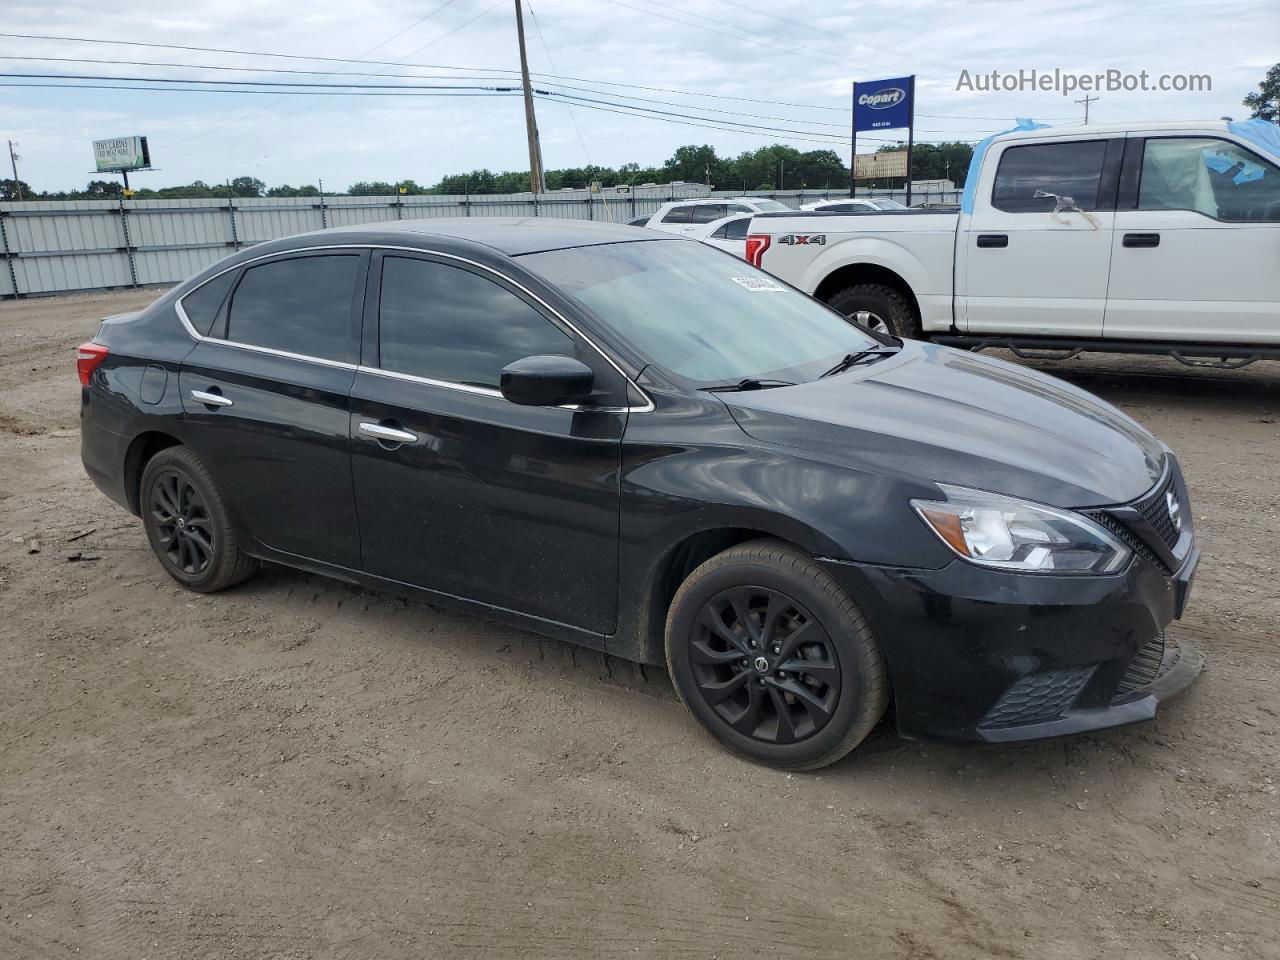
1067, 169
1214, 177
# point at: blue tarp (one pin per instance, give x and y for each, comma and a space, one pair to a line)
975, 165
1258, 132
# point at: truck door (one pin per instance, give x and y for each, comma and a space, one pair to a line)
1035, 255
1197, 243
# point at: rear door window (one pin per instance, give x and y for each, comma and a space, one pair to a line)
301, 305
1066, 169
678, 215
445, 323
709, 212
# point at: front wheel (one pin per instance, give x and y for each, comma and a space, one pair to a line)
877, 307
773, 657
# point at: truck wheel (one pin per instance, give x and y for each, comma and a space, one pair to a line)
878, 307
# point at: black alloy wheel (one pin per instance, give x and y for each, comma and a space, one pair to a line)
188, 523
764, 664
185, 530
771, 654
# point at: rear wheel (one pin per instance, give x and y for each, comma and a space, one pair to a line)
878, 307
188, 525
774, 658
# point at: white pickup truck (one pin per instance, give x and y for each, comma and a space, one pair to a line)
1128, 238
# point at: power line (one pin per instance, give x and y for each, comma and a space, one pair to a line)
395, 36
427, 66
244, 133
547, 50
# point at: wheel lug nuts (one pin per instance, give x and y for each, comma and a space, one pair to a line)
782, 674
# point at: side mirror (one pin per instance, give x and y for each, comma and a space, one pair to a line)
546, 381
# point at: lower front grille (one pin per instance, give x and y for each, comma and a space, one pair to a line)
1143, 669
1037, 698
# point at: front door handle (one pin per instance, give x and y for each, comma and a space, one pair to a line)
993, 239
387, 434
210, 399
1141, 240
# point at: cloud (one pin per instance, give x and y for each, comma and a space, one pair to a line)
778, 50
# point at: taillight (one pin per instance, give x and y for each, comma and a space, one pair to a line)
757, 244
88, 357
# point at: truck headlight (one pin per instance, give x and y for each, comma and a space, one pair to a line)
1016, 535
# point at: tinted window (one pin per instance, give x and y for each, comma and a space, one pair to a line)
708, 212
302, 305
677, 215
202, 304
737, 229
445, 323
1213, 177
1068, 169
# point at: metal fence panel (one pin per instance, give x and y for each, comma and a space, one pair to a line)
52, 246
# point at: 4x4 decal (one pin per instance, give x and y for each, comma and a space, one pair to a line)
801, 239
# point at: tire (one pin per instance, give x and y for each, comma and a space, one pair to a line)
815, 640
188, 524
883, 309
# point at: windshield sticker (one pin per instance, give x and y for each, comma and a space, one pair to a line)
759, 284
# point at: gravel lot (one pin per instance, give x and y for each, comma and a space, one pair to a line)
297, 768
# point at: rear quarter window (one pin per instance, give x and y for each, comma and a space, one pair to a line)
203, 304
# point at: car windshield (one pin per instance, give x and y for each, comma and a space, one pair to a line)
770, 206
701, 314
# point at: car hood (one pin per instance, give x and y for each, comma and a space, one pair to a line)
934, 413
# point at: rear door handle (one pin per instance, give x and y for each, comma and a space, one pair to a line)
210, 399
387, 434
993, 239
1141, 240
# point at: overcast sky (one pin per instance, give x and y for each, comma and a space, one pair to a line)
803, 53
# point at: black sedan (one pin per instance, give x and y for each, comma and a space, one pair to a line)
642, 445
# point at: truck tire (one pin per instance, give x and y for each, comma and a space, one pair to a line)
880, 307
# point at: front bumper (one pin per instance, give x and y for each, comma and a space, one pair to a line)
976, 654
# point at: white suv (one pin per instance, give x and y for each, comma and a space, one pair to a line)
690, 217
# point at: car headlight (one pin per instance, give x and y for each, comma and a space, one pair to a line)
1011, 534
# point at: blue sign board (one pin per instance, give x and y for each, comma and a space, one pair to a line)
883, 104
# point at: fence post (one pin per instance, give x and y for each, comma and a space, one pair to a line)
235, 235
591, 208
128, 243
8, 254
324, 214
399, 208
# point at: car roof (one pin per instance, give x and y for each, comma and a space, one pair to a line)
513, 236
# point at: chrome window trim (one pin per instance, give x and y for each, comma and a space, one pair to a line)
646, 407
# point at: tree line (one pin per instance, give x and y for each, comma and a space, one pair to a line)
777, 167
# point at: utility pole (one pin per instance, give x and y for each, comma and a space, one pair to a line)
536, 183
13, 161
1086, 101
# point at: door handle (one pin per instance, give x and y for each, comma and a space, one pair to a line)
385, 434
993, 239
210, 399
1141, 240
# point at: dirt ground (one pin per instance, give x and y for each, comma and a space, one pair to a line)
300, 769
